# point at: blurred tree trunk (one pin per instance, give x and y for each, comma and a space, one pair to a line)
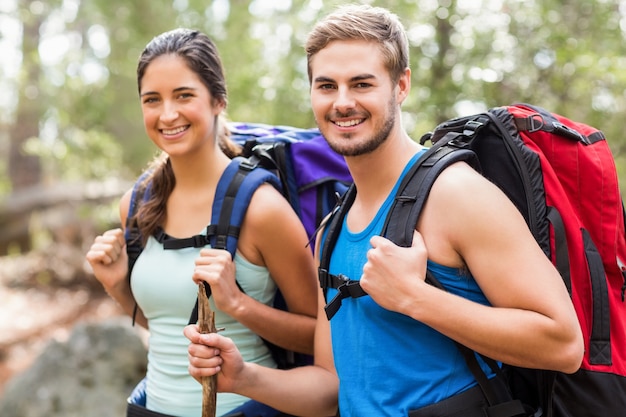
25, 170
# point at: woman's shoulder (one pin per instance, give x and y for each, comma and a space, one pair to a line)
269, 213
268, 202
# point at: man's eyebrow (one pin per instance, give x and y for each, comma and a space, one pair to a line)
323, 79
360, 77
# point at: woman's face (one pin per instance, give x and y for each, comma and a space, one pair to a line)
178, 110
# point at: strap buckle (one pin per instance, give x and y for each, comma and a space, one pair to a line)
349, 288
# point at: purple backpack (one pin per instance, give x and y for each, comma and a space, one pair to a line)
312, 175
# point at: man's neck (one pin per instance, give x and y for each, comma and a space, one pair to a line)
376, 173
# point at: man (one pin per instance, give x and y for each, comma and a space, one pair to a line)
392, 352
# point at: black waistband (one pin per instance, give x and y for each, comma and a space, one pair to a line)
472, 403
134, 410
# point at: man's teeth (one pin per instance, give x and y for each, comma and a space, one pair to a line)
174, 131
349, 123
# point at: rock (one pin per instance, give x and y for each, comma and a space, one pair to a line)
91, 374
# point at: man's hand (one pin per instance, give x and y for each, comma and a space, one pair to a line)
211, 354
392, 274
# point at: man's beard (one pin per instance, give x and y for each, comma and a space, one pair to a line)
379, 136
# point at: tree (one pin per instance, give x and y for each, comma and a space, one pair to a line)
25, 170
466, 56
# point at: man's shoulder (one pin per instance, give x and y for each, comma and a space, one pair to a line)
457, 177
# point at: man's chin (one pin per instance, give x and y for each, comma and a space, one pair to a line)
340, 145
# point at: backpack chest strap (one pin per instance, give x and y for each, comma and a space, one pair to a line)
345, 287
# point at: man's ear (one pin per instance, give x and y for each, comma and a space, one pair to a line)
403, 86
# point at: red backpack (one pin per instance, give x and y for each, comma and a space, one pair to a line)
561, 176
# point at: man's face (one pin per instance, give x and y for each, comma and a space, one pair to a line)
352, 96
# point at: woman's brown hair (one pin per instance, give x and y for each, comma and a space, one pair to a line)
202, 57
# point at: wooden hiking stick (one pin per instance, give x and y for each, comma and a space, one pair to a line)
206, 324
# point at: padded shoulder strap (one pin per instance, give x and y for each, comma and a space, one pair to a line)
416, 185
402, 218
345, 286
132, 236
333, 226
232, 197
231, 200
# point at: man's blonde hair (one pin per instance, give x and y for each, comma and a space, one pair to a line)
362, 22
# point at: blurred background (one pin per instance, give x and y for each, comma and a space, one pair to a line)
72, 139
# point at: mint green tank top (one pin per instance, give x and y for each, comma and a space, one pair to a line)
162, 285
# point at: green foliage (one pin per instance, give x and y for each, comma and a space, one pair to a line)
465, 56
80, 156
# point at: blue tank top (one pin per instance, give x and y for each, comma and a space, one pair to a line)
389, 363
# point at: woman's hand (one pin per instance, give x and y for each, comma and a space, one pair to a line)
216, 268
108, 259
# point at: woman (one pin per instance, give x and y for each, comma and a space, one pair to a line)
183, 95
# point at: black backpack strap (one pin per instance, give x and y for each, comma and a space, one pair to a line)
399, 227
132, 235
500, 402
345, 286
416, 185
402, 218
333, 226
